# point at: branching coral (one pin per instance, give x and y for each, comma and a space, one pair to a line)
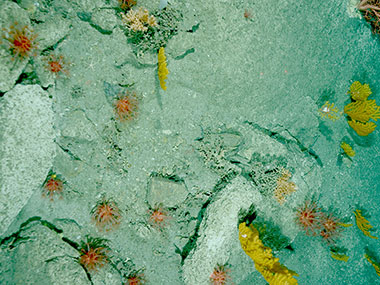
347, 149
284, 186
363, 224
362, 110
272, 270
139, 20
370, 10
329, 110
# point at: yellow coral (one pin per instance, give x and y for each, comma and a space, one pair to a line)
363, 224
375, 264
284, 187
362, 129
347, 149
162, 68
363, 110
341, 257
139, 20
359, 92
265, 262
328, 110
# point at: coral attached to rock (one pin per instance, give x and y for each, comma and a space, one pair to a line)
272, 270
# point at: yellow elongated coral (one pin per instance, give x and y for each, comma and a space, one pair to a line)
359, 92
362, 129
273, 272
340, 257
363, 224
328, 110
347, 149
363, 110
374, 264
162, 68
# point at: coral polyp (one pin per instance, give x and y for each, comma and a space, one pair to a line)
106, 214
308, 216
135, 278
159, 217
93, 253
331, 228
21, 41
126, 106
220, 275
53, 186
56, 64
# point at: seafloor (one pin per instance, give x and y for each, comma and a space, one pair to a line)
246, 82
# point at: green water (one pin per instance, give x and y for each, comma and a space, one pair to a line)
249, 87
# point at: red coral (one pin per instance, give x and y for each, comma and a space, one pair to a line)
308, 217
93, 253
53, 186
220, 275
106, 214
21, 41
126, 106
57, 64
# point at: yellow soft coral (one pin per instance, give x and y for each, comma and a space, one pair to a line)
284, 187
328, 110
265, 262
162, 68
347, 149
374, 264
340, 257
359, 92
363, 224
362, 129
363, 110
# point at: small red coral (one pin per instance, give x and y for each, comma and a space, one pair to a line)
220, 275
308, 217
135, 279
56, 64
331, 228
159, 217
21, 41
126, 106
106, 214
93, 253
53, 186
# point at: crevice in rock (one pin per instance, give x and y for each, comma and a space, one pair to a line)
281, 139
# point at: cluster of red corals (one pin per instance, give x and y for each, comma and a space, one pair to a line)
106, 214
21, 41
93, 253
317, 222
370, 10
220, 275
53, 186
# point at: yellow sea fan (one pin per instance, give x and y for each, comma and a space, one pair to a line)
374, 264
328, 110
162, 68
284, 187
363, 224
359, 92
362, 129
347, 149
340, 257
363, 110
273, 271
